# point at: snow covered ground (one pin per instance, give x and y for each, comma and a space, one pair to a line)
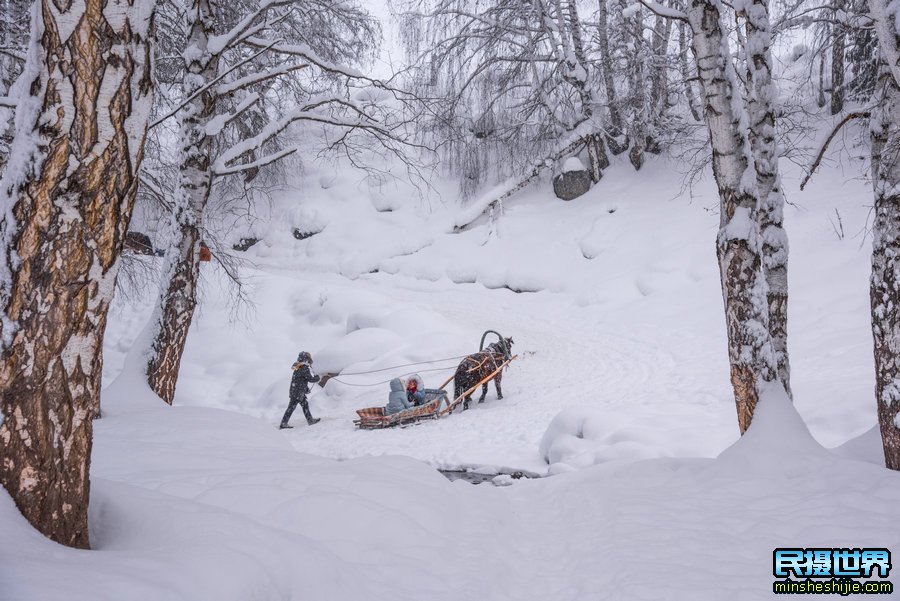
614, 305
621, 320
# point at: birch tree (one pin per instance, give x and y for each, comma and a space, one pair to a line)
762, 135
739, 244
273, 67
885, 281
82, 105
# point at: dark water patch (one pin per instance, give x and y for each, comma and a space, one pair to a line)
475, 477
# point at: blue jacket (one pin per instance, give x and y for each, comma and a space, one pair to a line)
397, 400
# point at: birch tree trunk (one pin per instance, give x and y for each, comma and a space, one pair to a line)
178, 295
771, 196
637, 100
837, 64
67, 200
885, 283
578, 76
687, 76
606, 64
738, 244
659, 92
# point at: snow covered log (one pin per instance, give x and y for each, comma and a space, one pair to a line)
67, 197
493, 198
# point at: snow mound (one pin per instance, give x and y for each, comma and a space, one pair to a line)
777, 436
579, 438
358, 346
220, 505
572, 164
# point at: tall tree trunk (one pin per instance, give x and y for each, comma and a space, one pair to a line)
820, 99
637, 100
659, 84
578, 76
606, 64
68, 197
597, 157
687, 75
837, 64
885, 283
178, 294
771, 196
738, 243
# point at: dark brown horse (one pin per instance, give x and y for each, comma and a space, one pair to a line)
475, 368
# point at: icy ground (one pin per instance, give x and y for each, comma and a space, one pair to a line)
621, 384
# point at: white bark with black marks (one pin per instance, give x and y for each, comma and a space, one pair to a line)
761, 109
885, 280
739, 244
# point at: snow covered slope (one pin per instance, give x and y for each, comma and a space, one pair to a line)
612, 299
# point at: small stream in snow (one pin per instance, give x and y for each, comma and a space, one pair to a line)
477, 477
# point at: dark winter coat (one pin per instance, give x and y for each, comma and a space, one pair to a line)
303, 377
397, 400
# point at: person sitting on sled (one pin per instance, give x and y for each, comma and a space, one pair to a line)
415, 390
303, 377
397, 400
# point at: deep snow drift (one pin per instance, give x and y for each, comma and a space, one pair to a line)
621, 392
198, 504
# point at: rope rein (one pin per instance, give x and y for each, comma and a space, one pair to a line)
491, 356
421, 371
374, 371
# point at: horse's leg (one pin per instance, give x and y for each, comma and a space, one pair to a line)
466, 402
497, 386
483, 392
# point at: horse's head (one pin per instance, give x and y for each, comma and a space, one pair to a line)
503, 347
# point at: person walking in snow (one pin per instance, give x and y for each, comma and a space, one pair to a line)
303, 377
397, 399
415, 390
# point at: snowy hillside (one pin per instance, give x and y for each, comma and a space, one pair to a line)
614, 305
242, 243
618, 316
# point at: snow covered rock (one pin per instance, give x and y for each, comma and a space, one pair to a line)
574, 180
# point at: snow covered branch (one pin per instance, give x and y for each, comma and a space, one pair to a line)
305, 113
218, 44
818, 160
663, 11
496, 196
206, 87
255, 78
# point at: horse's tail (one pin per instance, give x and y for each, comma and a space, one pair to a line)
457, 388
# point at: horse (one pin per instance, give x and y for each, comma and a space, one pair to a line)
478, 366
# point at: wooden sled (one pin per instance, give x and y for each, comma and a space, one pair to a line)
436, 405
372, 418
